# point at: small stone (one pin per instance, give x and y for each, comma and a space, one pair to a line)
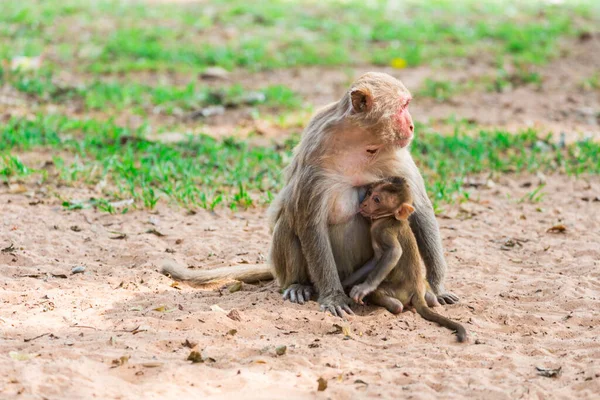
281, 350
214, 73
80, 269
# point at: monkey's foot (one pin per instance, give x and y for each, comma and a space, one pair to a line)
336, 303
297, 293
447, 298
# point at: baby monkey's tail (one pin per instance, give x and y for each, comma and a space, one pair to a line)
244, 273
424, 311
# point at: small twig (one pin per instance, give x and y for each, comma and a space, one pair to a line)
37, 337
83, 326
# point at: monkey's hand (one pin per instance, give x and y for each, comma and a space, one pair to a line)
337, 303
359, 292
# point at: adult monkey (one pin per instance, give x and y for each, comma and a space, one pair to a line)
318, 236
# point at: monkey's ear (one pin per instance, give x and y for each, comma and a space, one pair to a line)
404, 212
361, 100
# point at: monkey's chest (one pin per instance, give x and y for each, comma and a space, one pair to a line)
344, 204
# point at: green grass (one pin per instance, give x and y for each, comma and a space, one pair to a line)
503, 81
591, 83
88, 40
440, 90
204, 172
108, 36
113, 95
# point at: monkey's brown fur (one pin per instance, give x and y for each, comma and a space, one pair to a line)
318, 238
394, 275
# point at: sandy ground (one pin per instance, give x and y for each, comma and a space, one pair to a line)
120, 330
534, 304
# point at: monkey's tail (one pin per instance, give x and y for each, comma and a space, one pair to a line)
244, 273
424, 311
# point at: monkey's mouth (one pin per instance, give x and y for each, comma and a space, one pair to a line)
403, 141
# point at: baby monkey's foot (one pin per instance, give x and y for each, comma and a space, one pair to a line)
393, 305
297, 293
431, 300
390, 303
359, 292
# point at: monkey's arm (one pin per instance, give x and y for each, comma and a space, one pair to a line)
427, 232
388, 261
360, 274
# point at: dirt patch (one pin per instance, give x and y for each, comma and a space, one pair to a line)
529, 299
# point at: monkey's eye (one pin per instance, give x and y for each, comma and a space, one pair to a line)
376, 200
369, 193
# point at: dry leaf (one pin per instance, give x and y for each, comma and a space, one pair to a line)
236, 287
215, 307
160, 309
15, 355
345, 330
560, 228
281, 350
232, 332
549, 372
195, 357
234, 315
322, 384
175, 285
189, 344
155, 232
16, 189
152, 364
120, 361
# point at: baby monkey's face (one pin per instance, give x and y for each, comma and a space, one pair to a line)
390, 197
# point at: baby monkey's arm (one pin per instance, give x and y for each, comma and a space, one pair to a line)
392, 251
360, 274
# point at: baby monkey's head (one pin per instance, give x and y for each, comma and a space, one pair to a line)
386, 198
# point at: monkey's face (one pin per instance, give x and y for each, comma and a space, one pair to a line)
380, 106
387, 199
402, 123
378, 203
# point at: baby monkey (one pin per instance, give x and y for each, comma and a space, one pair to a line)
394, 277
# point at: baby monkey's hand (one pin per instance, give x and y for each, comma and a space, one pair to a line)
359, 292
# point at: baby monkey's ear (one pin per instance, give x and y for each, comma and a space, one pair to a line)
404, 212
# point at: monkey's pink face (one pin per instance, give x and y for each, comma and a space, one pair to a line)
403, 125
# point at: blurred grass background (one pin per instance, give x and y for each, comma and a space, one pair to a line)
75, 74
